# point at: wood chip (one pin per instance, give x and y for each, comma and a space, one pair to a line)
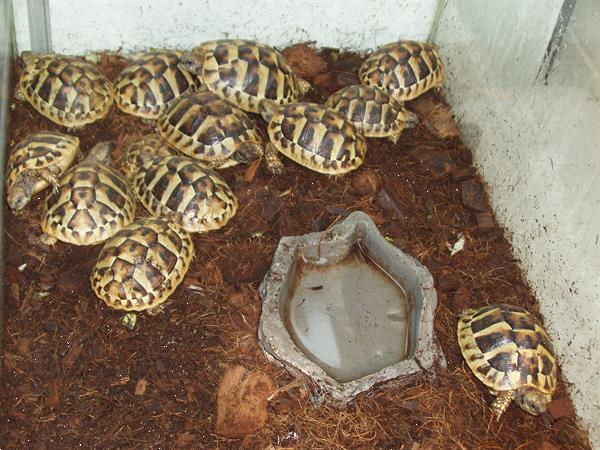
72, 356
251, 171
140, 387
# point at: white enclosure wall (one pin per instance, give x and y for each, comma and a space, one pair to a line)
79, 26
534, 127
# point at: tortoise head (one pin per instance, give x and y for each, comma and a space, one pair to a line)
532, 400
248, 152
267, 109
28, 57
100, 153
20, 192
192, 61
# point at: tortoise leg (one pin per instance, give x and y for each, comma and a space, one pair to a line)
50, 175
274, 164
47, 239
501, 403
221, 163
394, 137
156, 310
304, 86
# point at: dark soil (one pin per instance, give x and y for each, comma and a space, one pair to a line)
74, 375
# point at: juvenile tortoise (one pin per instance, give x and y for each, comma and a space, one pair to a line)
151, 82
181, 188
405, 69
204, 126
69, 91
93, 202
244, 72
142, 264
313, 135
509, 351
373, 111
149, 145
37, 162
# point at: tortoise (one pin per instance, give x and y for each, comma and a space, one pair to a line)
37, 162
141, 265
69, 91
244, 72
405, 69
193, 195
315, 136
151, 82
93, 202
509, 351
373, 111
149, 145
204, 126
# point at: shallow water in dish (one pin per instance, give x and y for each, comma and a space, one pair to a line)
349, 318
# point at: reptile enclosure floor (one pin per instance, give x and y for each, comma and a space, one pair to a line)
75, 375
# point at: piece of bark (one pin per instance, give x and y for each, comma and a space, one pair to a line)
242, 401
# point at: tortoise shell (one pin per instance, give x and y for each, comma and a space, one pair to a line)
151, 82
92, 203
246, 72
142, 264
150, 145
507, 348
69, 91
49, 151
206, 127
371, 110
178, 186
317, 137
405, 69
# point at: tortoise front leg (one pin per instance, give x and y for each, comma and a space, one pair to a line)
501, 403
50, 176
394, 137
274, 164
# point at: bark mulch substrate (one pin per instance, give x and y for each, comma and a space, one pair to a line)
74, 375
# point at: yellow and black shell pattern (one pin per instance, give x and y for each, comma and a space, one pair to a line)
371, 110
69, 91
246, 72
141, 265
93, 202
151, 145
204, 126
196, 197
317, 137
151, 82
46, 150
507, 348
405, 69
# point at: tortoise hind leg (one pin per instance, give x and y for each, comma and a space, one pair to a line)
501, 403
